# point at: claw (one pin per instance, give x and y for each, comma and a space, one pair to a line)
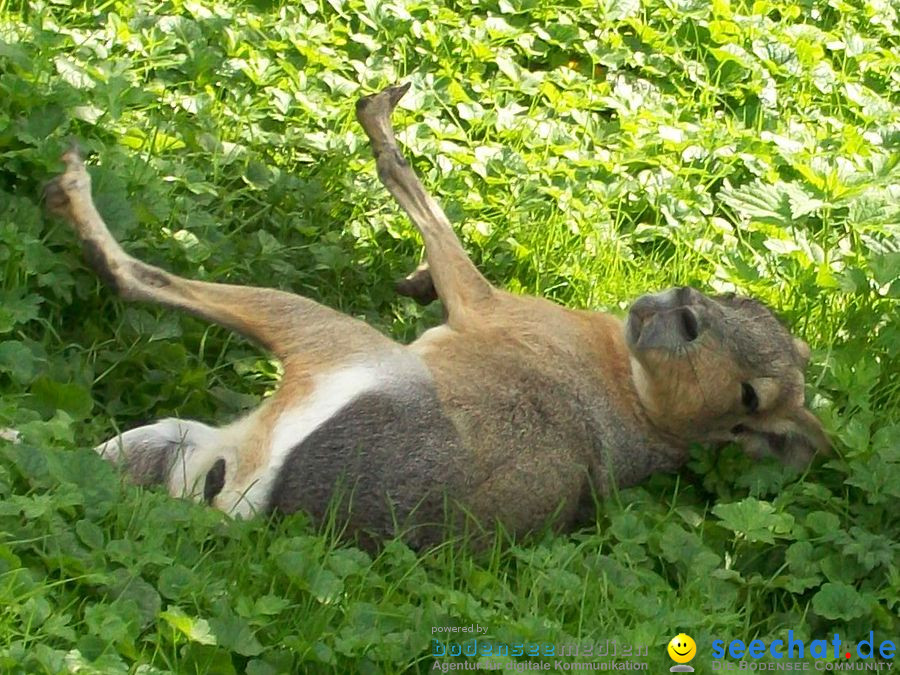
381, 103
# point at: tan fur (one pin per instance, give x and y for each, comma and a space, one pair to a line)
546, 404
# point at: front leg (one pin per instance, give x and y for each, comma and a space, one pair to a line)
465, 292
418, 285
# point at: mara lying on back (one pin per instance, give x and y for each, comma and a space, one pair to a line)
515, 411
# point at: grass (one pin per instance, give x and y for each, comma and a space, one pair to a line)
588, 152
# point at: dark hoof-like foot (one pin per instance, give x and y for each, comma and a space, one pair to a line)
419, 286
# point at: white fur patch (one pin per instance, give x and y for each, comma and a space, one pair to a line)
430, 338
10, 435
197, 445
333, 391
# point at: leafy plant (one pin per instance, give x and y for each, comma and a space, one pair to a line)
588, 152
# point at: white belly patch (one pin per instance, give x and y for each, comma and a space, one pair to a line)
332, 392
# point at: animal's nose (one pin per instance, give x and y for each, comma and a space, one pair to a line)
688, 324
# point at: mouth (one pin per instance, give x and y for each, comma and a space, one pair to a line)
680, 654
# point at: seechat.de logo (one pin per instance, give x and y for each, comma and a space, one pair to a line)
795, 648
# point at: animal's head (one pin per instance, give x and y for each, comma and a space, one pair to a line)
722, 369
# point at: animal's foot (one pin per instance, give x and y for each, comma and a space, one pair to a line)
418, 285
68, 192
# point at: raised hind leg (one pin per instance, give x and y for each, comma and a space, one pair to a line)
304, 335
310, 339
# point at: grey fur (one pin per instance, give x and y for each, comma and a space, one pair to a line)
148, 461
387, 461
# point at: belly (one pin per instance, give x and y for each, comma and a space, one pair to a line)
370, 446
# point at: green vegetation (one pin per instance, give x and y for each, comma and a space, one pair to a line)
589, 151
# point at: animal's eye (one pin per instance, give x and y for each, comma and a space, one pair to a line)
748, 397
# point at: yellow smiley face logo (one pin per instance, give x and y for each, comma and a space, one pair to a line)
682, 648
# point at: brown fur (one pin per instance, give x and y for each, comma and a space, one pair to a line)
547, 404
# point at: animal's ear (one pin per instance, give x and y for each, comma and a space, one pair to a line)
802, 350
794, 440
